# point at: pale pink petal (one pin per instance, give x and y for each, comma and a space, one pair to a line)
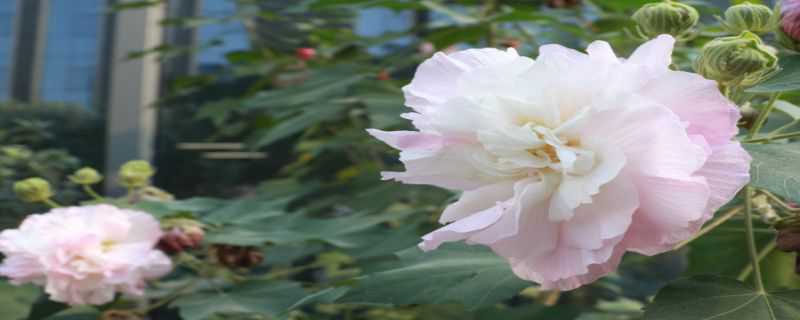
578, 244
726, 172
655, 54
434, 80
698, 102
477, 200
601, 51
667, 212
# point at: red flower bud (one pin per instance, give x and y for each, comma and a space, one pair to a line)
788, 240
384, 75
306, 54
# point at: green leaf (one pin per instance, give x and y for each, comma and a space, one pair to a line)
245, 210
321, 85
266, 298
447, 36
15, 301
44, 308
726, 242
456, 272
788, 108
296, 227
776, 167
293, 125
788, 79
711, 297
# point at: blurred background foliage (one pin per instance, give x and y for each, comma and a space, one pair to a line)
336, 242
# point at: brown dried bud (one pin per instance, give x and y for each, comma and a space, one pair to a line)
237, 256
788, 241
179, 239
560, 4
511, 43
120, 315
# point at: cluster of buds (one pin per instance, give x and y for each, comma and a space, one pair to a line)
236, 256
666, 17
180, 235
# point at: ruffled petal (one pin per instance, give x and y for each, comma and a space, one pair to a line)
667, 212
727, 171
477, 200
698, 102
578, 250
655, 54
434, 81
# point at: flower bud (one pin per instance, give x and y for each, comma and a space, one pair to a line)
151, 193
33, 190
668, 17
789, 31
740, 60
788, 241
86, 176
136, 174
16, 153
120, 315
756, 18
237, 256
562, 4
305, 54
182, 234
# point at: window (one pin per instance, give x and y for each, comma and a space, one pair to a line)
72, 50
8, 11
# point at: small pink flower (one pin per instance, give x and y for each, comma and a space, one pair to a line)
569, 161
84, 255
790, 20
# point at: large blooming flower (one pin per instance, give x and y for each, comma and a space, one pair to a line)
84, 255
569, 161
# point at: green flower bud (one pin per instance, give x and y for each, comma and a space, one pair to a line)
668, 17
16, 153
86, 176
741, 60
755, 18
136, 174
33, 190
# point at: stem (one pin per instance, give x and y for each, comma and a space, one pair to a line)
751, 242
90, 192
775, 137
51, 203
761, 255
762, 117
711, 226
785, 206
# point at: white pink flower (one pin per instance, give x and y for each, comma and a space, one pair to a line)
569, 161
84, 255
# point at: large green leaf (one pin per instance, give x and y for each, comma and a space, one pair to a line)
294, 124
725, 243
265, 298
470, 275
788, 79
15, 302
711, 297
776, 167
296, 227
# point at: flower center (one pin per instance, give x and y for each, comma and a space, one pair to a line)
561, 153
